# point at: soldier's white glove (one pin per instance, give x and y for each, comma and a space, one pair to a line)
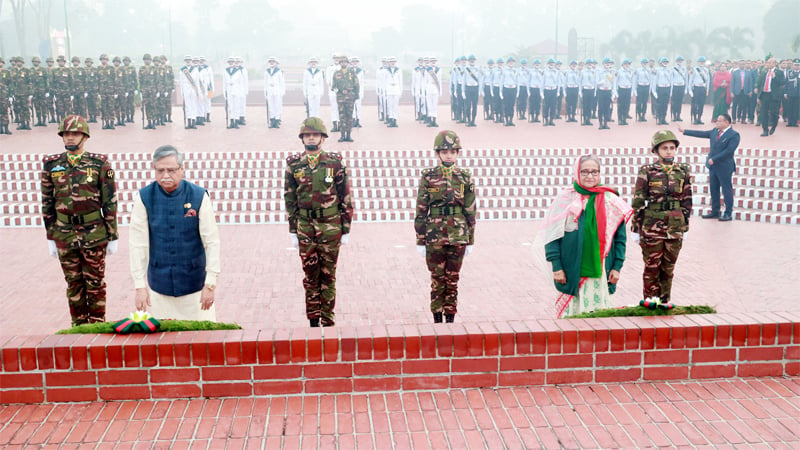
166, 94
126, 95
345, 239
685, 233
72, 97
85, 95
421, 250
30, 97
158, 94
115, 95
293, 241
112, 248
468, 250
135, 92
11, 100
655, 96
51, 248
46, 95
635, 237
463, 96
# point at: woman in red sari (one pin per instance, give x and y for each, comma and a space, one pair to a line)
722, 90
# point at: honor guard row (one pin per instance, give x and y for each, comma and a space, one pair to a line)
197, 88
343, 81
235, 84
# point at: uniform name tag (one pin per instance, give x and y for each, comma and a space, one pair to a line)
58, 174
299, 174
656, 183
433, 190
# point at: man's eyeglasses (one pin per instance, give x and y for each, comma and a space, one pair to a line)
587, 173
171, 170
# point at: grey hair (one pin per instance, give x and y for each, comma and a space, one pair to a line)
165, 151
589, 157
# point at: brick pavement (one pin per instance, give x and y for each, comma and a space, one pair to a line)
742, 413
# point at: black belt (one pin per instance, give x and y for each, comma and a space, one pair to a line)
79, 219
319, 212
664, 206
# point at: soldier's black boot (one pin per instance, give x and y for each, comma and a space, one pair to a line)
271, 123
335, 127
242, 121
437, 317
341, 138
314, 322
111, 124
208, 117
449, 318
199, 121
433, 123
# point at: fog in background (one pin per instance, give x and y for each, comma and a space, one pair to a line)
294, 30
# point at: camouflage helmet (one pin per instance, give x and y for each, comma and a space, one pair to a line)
89, 60
61, 58
126, 59
50, 59
313, 125
76, 59
103, 56
147, 57
116, 59
662, 136
446, 140
73, 123
36, 59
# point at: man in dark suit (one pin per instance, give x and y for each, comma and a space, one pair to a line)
742, 90
769, 88
720, 164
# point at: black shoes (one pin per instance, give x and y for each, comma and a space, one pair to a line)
725, 218
437, 317
314, 322
711, 215
448, 318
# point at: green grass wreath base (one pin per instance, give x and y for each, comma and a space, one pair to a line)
166, 325
637, 310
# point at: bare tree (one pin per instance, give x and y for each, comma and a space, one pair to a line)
41, 10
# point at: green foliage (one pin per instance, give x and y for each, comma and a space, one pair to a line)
780, 27
642, 311
166, 325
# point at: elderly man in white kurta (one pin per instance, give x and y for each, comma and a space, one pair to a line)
174, 244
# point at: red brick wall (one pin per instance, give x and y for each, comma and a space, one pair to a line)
70, 368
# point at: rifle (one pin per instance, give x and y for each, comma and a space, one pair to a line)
227, 122
267, 106
142, 111
305, 102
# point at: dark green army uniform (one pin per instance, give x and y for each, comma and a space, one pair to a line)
148, 83
445, 225
131, 83
79, 92
168, 85
119, 92
5, 79
61, 87
345, 84
21, 89
79, 208
51, 103
319, 206
662, 204
106, 82
39, 90
92, 85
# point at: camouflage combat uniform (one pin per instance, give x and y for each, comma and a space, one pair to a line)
79, 92
106, 81
148, 80
168, 84
39, 90
61, 88
92, 85
345, 83
4, 103
20, 88
319, 206
79, 208
662, 201
445, 225
119, 92
131, 83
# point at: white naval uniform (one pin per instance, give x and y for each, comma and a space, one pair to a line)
233, 90
433, 89
190, 90
357, 106
394, 89
312, 89
274, 90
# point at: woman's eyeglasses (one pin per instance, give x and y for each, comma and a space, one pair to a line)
587, 173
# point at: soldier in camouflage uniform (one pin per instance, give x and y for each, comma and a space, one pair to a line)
662, 201
445, 223
148, 82
21, 91
319, 206
40, 92
167, 86
61, 87
92, 84
119, 91
5, 78
79, 93
345, 85
51, 104
131, 82
106, 81
79, 208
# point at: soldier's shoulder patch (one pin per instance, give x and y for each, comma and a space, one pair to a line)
294, 158
334, 155
465, 172
51, 158
97, 156
428, 171
110, 174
